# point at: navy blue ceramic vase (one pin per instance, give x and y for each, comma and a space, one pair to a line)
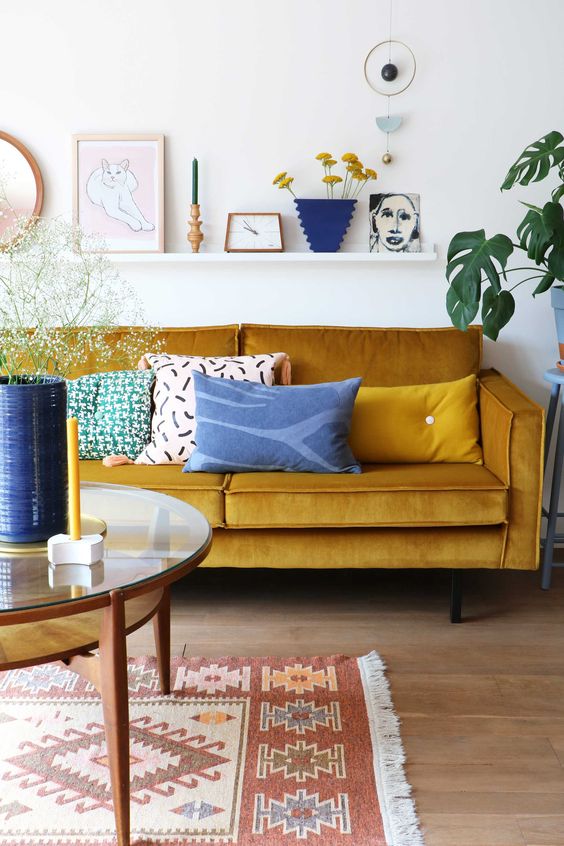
33, 459
325, 222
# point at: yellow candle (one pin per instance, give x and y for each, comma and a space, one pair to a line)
74, 478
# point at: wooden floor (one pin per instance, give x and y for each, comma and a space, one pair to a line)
481, 704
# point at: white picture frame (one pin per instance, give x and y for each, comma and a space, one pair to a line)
118, 190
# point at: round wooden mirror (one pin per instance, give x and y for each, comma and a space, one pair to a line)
21, 189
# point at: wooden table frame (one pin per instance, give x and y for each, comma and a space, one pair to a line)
107, 671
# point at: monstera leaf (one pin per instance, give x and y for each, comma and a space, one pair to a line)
535, 161
497, 310
558, 193
471, 255
553, 217
544, 284
541, 231
534, 234
555, 263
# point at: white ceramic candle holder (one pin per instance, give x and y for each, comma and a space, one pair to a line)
62, 550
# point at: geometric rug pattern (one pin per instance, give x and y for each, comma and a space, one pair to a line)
245, 751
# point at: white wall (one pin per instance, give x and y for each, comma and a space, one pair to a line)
255, 87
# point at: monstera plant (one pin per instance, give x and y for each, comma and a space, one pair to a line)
477, 266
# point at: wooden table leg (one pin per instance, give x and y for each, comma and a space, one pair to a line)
114, 690
161, 628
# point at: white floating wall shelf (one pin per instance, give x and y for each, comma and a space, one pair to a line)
428, 253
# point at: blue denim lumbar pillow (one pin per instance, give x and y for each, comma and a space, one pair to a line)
245, 426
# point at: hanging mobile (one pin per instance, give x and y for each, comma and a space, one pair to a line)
389, 69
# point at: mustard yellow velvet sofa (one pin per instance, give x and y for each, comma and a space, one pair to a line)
453, 516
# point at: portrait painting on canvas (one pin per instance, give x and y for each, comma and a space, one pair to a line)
394, 223
118, 190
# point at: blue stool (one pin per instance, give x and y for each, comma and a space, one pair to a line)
556, 378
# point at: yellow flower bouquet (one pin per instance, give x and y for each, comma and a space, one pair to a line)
354, 180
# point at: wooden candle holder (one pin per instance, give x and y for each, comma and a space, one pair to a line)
195, 235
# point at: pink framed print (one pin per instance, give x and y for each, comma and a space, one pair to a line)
118, 190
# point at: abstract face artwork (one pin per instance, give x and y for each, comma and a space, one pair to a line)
394, 223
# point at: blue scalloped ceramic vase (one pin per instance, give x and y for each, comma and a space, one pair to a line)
33, 459
325, 222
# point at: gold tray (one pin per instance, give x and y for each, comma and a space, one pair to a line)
89, 525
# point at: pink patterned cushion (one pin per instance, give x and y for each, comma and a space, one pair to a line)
173, 426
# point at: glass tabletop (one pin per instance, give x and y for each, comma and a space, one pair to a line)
147, 534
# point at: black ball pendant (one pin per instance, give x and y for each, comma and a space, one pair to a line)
389, 72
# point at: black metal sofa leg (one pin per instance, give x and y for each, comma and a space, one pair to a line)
456, 596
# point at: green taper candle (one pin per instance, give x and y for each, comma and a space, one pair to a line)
194, 181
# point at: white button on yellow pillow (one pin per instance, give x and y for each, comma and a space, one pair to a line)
417, 424
173, 426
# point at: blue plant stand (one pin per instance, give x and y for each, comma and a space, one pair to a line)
556, 379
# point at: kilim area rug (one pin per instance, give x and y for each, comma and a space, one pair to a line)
248, 751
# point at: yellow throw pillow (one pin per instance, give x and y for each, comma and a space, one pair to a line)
417, 424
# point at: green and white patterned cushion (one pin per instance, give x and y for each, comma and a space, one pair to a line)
113, 411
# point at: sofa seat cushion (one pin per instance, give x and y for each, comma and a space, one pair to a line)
383, 495
202, 490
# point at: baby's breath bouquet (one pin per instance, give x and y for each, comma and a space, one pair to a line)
59, 302
356, 176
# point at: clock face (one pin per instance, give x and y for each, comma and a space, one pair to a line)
254, 232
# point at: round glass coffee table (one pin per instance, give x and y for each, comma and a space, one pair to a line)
63, 613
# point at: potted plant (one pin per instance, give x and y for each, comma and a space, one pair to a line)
58, 301
325, 221
475, 260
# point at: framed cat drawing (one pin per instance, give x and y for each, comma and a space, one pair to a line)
118, 191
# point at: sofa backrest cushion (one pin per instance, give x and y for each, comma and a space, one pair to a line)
197, 340
387, 357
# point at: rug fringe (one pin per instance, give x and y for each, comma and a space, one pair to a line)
401, 823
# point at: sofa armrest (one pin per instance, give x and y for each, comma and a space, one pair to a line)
512, 428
